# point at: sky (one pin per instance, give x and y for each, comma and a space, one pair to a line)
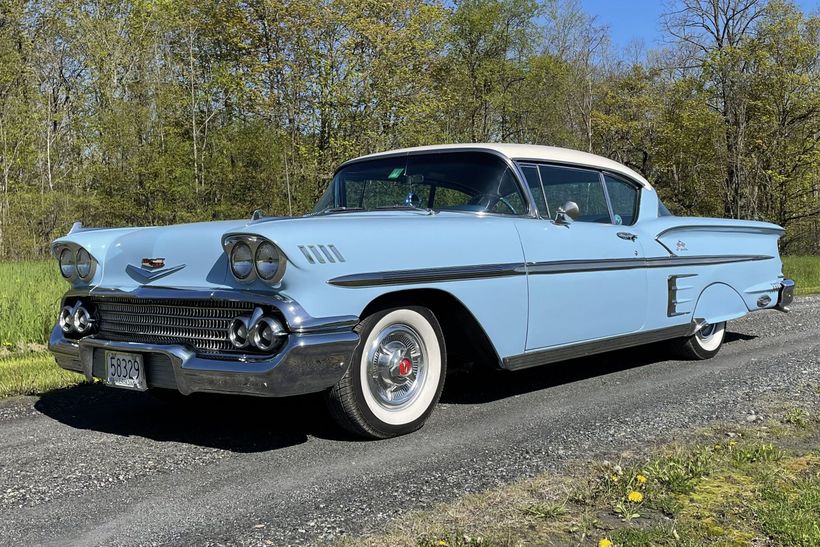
630, 19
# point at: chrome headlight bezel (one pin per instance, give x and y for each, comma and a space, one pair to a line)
69, 259
255, 244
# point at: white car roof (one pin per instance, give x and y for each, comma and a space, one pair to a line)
529, 152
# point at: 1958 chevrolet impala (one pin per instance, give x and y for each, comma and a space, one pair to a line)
514, 255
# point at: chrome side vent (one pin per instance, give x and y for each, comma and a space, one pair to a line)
674, 298
321, 254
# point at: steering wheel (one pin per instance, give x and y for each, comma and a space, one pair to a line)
507, 203
487, 202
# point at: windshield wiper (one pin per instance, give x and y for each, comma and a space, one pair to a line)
330, 210
407, 207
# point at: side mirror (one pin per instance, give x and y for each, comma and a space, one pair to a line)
567, 214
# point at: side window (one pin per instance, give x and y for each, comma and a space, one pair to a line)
583, 186
534, 182
623, 197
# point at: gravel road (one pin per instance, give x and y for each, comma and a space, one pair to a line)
92, 465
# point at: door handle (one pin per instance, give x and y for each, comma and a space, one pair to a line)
628, 236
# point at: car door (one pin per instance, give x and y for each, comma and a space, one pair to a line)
586, 278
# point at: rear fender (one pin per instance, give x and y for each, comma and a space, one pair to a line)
719, 302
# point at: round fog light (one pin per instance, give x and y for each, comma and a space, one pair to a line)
238, 334
82, 320
66, 320
268, 334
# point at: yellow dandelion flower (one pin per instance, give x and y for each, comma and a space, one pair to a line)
641, 479
604, 542
635, 497
614, 478
442, 542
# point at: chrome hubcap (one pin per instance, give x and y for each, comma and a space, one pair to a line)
396, 365
706, 331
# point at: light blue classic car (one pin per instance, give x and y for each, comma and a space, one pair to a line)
512, 255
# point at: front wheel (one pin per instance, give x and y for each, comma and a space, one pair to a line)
396, 374
705, 343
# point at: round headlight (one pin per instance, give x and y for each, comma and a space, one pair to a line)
241, 260
83, 264
67, 264
267, 261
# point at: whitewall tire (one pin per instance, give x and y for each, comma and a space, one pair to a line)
396, 374
705, 343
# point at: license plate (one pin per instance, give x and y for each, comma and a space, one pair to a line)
125, 370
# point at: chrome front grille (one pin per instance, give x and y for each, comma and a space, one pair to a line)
199, 324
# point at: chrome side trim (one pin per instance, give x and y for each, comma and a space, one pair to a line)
460, 273
740, 228
428, 275
571, 266
582, 349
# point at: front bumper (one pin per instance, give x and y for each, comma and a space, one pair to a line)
308, 363
785, 295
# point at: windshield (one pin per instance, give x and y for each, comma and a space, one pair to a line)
452, 181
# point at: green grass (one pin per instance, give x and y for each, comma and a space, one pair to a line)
30, 373
30, 295
726, 485
805, 270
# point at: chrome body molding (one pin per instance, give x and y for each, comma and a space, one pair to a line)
308, 363
735, 228
461, 273
427, 275
550, 355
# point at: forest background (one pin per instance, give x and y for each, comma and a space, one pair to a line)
144, 112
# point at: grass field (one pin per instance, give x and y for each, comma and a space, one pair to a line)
30, 300
727, 485
805, 270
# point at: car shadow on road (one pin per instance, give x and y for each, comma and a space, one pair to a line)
236, 424
486, 385
253, 424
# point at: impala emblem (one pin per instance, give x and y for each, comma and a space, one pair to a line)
152, 269
680, 246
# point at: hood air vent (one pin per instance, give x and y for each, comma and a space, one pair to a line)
321, 254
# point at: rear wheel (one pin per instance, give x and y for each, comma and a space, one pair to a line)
396, 376
705, 343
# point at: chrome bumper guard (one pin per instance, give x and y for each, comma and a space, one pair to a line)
308, 363
785, 295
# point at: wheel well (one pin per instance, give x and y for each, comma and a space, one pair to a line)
467, 343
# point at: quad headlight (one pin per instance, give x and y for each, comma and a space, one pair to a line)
241, 261
267, 261
253, 257
76, 263
68, 263
84, 263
